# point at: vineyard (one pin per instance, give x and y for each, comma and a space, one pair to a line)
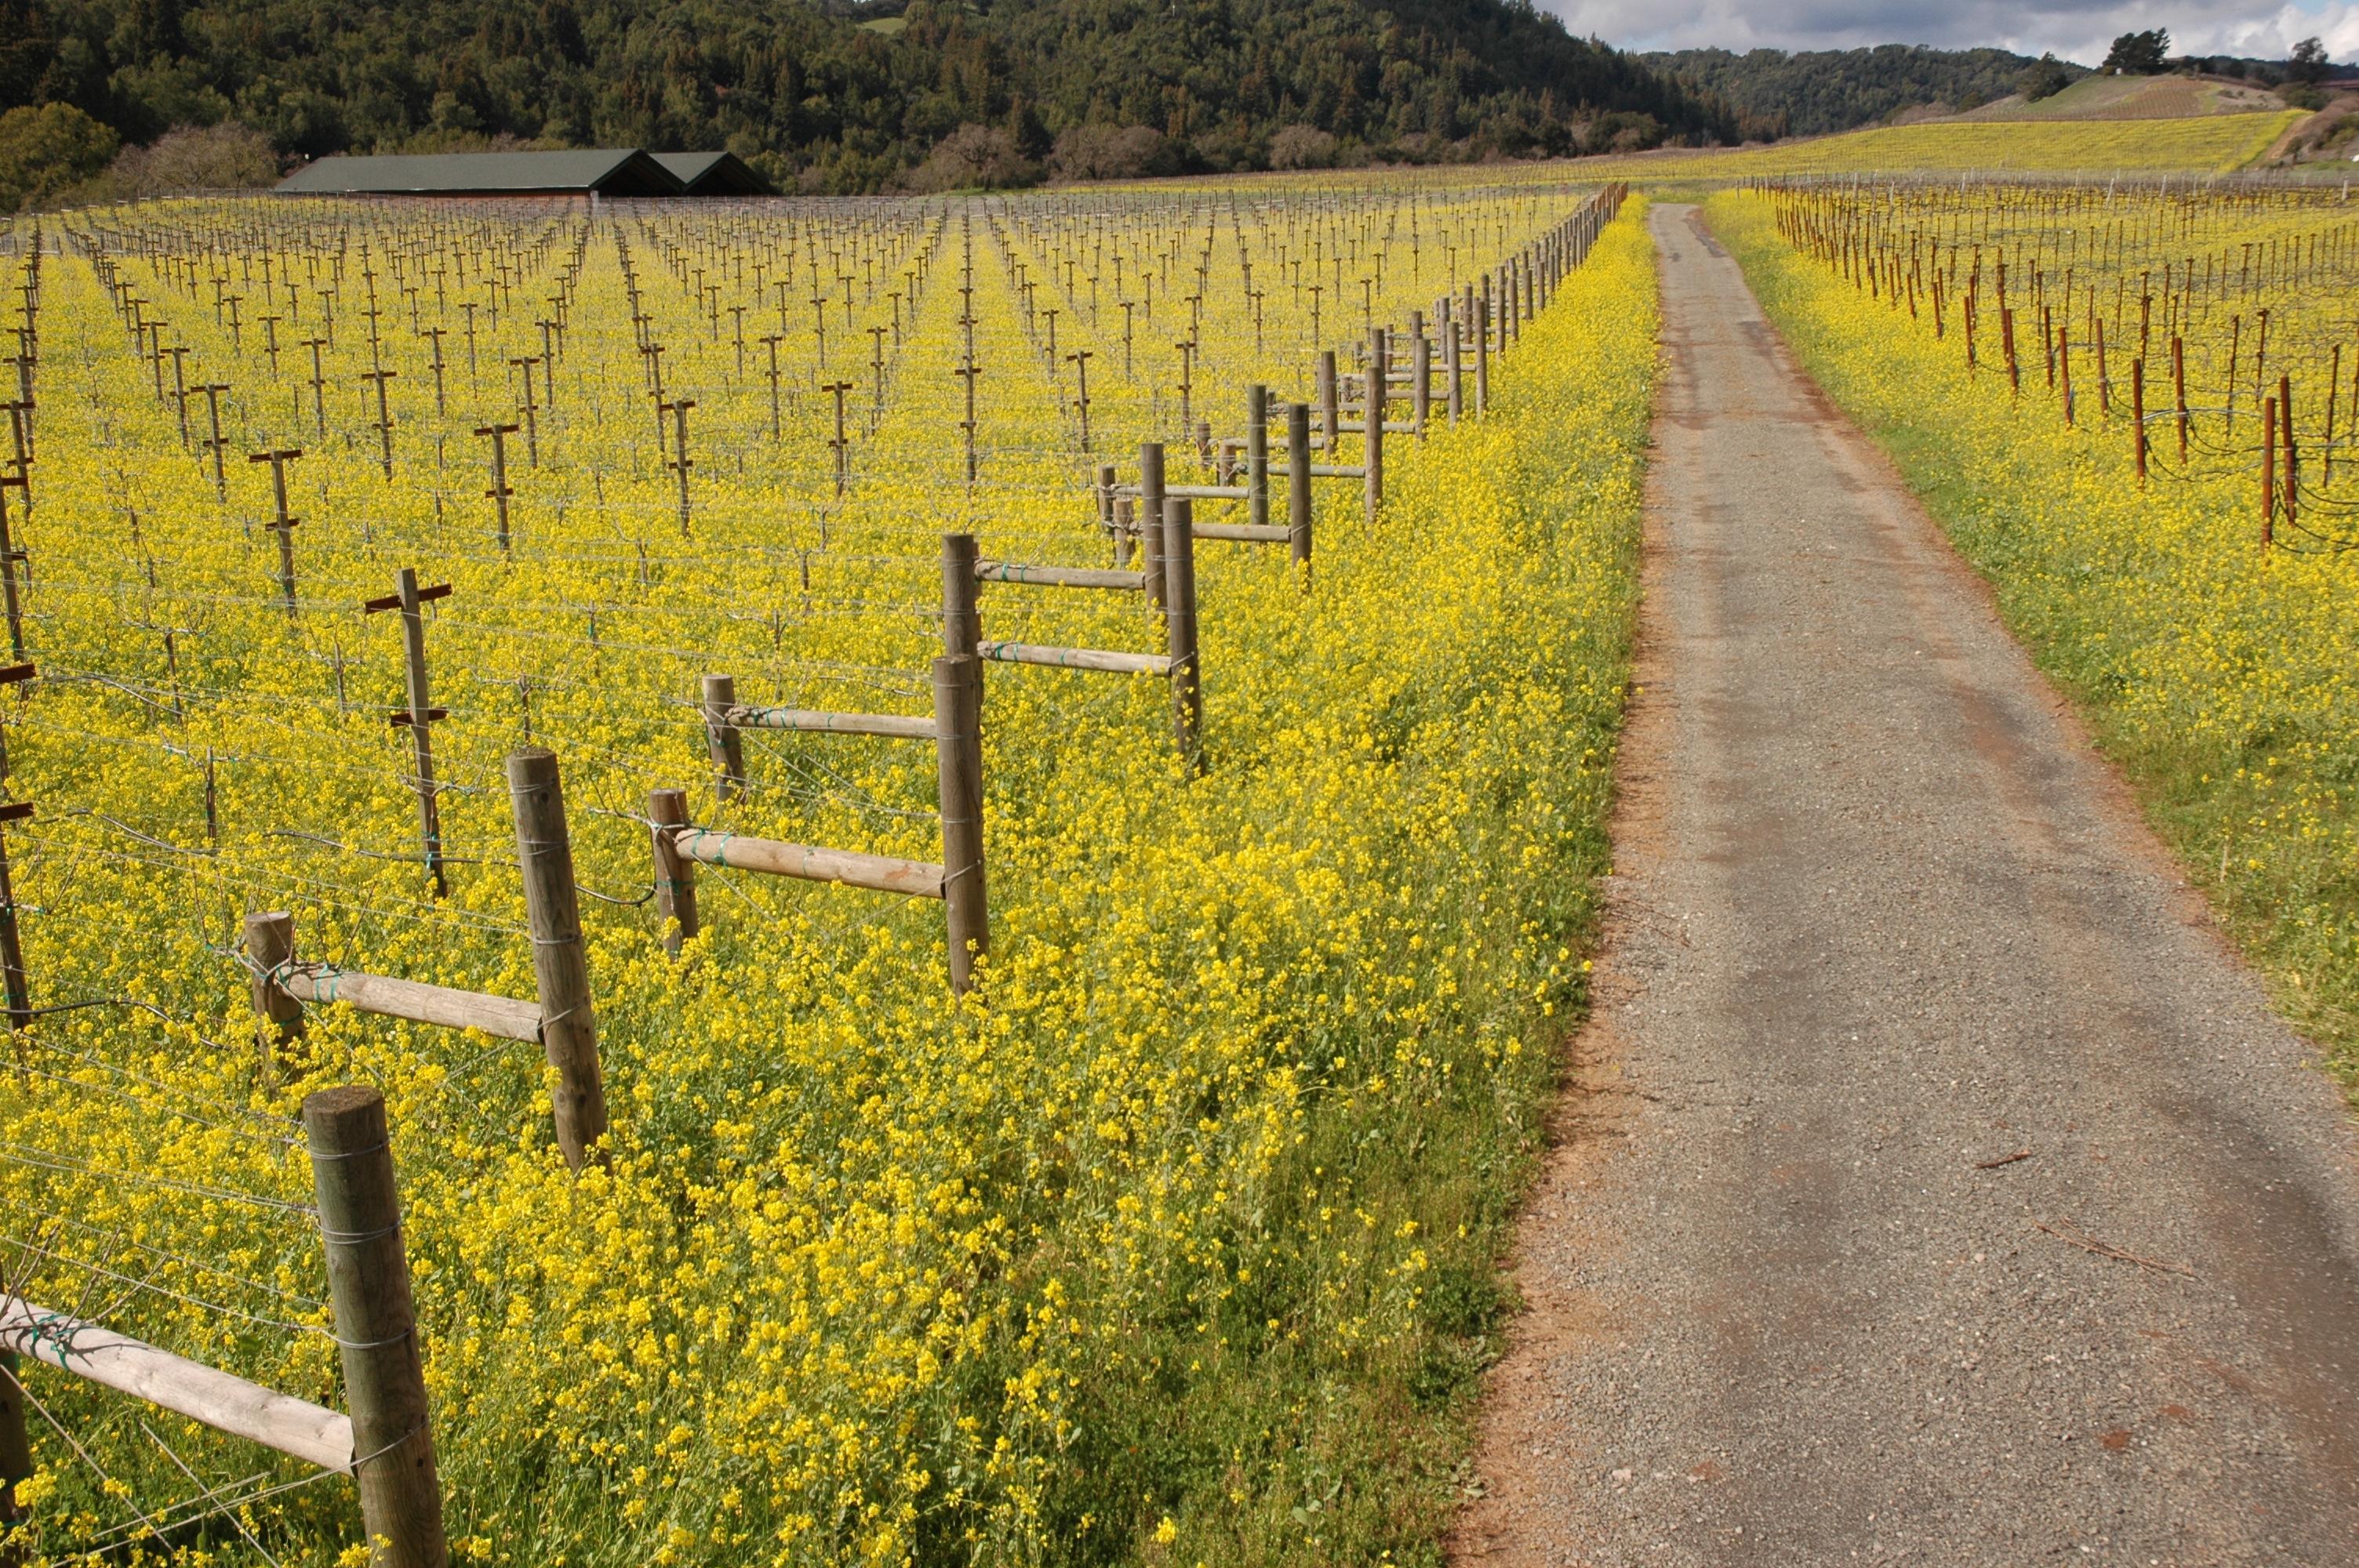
951, 830
2133, 409
2197, 147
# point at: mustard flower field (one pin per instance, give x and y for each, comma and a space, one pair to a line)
2196, 148
2004, 342
1173, 1237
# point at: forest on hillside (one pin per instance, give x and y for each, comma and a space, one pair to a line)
1818, 92
829, 97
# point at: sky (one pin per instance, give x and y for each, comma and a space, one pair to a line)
2075, 29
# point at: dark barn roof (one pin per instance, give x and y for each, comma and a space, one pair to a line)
608, 171
713, 174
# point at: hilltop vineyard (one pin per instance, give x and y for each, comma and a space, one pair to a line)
943, 824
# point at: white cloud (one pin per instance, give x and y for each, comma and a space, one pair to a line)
2079, 31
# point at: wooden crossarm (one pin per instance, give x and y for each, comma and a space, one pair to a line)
1076, 658
229, 1403
1059, 577
892, 726
420, 1003
881, 873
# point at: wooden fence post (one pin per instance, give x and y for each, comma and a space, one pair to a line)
1257, 455
1151, 507
1420, 380
1378, 393
961, 619
722, 741
269, 942
1297, 483
1179, 631
9, 555
2268, 472
13, 982
2137, 412
675, 875
681, 462
1452, 367
1482, 351
958, 751
421, 715
500, 490
568, 1024
2292, 456
15, 1447
2179, 378
377, 1328
1328, 419
284, 526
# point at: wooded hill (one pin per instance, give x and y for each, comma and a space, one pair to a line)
1819, 92
838, 97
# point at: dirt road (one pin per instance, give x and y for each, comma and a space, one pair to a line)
1895, 979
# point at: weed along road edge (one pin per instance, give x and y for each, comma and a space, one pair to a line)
1932, 1182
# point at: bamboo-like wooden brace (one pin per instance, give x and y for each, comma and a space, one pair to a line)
1059, 577
892, 726
420, 1003
1102, 659
882, 874
1241, 531
227, 1404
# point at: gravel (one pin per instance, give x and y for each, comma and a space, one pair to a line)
1882, 920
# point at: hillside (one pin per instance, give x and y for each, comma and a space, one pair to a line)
2137, 98
1817, 93
825, 98
2195, 144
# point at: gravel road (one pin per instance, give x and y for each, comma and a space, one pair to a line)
1895, 978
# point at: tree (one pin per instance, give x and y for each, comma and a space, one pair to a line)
975, 155
187, 157
2138, 54
29, 41
1113, 152
1812, 93
47, 150
2308, 62
1302, 147
2044, 78
843, 98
